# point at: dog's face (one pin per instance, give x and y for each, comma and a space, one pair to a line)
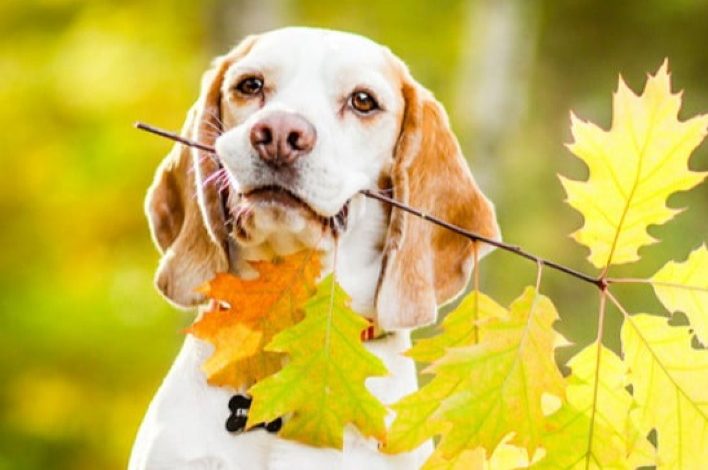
310, 117
302, 120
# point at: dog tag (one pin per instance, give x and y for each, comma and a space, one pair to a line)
238, 405
240, 402
236, 422
275, 425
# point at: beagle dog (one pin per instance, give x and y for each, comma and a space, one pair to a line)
303, 119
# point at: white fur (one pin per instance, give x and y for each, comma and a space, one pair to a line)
310, 72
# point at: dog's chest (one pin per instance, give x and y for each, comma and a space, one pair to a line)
185, 426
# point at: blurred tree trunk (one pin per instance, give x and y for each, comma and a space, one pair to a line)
493, 77
230, 21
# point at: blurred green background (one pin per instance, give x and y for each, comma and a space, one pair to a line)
84, 337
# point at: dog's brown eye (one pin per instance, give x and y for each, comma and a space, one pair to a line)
250, 85
363, 102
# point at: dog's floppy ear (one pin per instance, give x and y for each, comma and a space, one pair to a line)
183, 206
426, 265
189, 254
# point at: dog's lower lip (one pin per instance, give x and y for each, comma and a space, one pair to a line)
280, 195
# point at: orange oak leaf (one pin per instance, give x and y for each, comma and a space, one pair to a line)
246, 314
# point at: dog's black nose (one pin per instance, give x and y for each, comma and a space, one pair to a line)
282, 137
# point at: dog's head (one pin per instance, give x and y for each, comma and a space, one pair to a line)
302, 120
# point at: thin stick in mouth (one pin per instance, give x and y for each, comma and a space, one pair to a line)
600, 282
172, 136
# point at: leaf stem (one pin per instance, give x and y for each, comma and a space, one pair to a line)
598, 340
476, 293
539, 275
330, 317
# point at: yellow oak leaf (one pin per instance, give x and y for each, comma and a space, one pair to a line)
634, 167
414, 423
465, 460
595, 427
459, 328
501, 380
255, 311
670, 385
506, 377
321, 388
683, 287
505, 457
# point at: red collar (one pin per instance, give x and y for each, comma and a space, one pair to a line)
372, 332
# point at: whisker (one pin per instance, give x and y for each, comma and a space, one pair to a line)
213, 177
213, 129
224, 184
223, 174
229, 221
212, 133
216, 117
202, 158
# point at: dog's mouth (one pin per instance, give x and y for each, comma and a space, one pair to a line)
279, 196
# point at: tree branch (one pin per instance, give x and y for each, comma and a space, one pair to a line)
172, 136
599, 282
